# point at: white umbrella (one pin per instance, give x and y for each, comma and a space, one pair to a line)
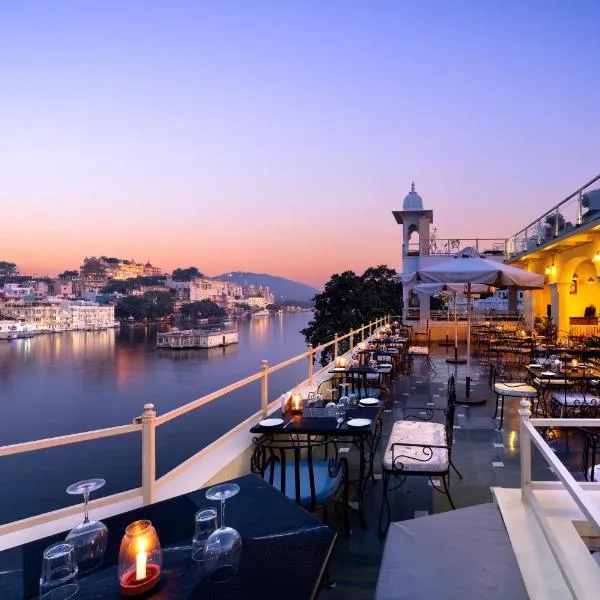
478, 270
452, 289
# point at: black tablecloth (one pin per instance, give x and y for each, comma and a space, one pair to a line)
284, 550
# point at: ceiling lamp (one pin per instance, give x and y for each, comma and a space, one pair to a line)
590, 280
596, 258
575, 277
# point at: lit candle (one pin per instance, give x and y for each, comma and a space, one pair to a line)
140, 561
574, 362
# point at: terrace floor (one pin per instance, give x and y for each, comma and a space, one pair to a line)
485, 456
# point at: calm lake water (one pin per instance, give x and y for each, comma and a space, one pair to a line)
77, 381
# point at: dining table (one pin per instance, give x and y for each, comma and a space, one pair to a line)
318, 421
285, 551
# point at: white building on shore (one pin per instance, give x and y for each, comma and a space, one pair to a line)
58, 315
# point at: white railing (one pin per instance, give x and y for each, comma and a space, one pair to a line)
149, 421
576, 579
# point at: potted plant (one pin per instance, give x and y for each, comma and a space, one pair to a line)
590, 311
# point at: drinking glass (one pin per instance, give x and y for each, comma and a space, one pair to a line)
319, 400
59, 573
206, 523
352, 401
224, 546
310, 402
89, 538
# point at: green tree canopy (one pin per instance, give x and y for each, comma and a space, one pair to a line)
349, 301
7, 269
93, 265
186, 274
202, 310
68, 275
152, 306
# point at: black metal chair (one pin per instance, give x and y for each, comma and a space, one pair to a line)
307, 469
419, 447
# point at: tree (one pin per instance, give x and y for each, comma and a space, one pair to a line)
8, 269
93, 266
152, 306
68, 275
349, 301
186, 274
202, 310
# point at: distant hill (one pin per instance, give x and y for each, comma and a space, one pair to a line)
282, 289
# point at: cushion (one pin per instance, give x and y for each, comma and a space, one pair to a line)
419, 350
576, 399
550, 382
325, 486
517, 390
372, 376
416, 458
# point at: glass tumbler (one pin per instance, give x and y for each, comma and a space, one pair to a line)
206, 523
59, 573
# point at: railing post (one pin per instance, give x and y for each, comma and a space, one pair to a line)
362, 333
148, 453
525, 447
556, 217
309, 349
264, 387
580, 208
335, 346
351, 338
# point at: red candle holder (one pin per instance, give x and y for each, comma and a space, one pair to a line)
130, 586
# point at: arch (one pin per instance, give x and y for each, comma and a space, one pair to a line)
413, 239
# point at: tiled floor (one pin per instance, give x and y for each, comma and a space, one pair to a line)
485, 456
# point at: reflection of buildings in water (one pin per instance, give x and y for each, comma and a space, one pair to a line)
129, 365
85, 344
258, 329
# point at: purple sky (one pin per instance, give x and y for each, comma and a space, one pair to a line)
279, 136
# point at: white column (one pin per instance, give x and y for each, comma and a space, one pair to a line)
424, 302
148, 454
525, 446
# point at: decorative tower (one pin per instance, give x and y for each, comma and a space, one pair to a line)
415, 237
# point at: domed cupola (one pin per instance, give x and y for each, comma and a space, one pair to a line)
413, 201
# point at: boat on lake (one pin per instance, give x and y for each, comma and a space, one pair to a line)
196, 338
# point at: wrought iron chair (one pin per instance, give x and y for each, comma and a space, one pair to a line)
420, 347
307, 469
419, 447
502, 385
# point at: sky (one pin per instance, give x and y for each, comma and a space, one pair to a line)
278, 137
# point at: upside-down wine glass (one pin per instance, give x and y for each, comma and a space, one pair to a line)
89, 538
224, 546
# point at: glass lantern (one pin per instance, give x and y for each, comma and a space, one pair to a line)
296, 402
140, 559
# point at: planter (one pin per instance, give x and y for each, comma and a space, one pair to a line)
583, 320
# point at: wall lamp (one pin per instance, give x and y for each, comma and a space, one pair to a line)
596, 258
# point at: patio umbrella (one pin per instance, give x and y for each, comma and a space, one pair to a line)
468, 270
454, 290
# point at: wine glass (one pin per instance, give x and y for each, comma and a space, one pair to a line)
310, 402
59, 573
206, 523
89, 538
224, 546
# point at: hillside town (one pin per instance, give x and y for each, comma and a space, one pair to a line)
106, 291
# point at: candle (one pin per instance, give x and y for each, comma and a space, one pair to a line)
140, 561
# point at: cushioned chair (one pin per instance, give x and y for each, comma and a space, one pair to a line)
419, 447
308, 471
419, 347
502, 385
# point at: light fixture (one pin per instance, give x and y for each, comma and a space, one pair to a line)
596, 258
590, 280
140, 559
575, 277
550, 270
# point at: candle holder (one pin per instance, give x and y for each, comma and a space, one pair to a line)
340, 362
296, 403
140, 559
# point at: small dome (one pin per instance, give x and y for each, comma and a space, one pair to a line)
413, 201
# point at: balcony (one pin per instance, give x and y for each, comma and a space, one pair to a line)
570, 222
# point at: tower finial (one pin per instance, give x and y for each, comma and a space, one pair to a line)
412, 188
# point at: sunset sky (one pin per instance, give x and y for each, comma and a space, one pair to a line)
278, 136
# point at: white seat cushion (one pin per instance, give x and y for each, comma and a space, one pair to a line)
372, 377
516, 390
420, 350
549, 381
576, 399
415, 458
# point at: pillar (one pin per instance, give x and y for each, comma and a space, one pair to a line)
559, 299
404, 303
528, 309
513, 301
424, 304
